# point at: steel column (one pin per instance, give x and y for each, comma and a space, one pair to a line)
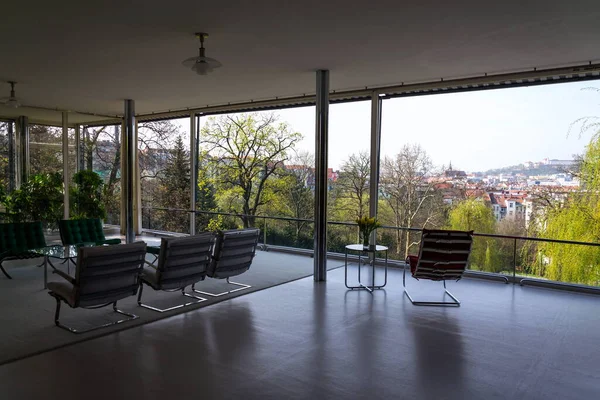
22, 150
375, 159
129, 147
193, 172
65, 150
321, 139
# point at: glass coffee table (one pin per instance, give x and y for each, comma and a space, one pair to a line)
58, 252
370, 251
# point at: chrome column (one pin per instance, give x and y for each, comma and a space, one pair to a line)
193, 172
375, 158
65, 150
321, 139
129, 147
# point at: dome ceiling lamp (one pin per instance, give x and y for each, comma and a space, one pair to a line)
201, 64
11, 101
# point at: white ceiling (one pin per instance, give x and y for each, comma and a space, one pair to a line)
90, 55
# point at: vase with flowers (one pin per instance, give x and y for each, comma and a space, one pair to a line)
366, 226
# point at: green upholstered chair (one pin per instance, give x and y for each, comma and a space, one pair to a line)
16, 239
79, 231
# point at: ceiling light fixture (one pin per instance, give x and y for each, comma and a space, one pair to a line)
12, 100
201, 64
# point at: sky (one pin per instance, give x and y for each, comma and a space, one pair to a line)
475, 131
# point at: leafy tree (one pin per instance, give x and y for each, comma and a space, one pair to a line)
578, 219
175, 188
298, 198
45, 149
206, 198
473, 215
86, 195
247, 151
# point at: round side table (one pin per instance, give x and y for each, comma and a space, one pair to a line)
360, 249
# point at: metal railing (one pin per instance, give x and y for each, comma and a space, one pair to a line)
267, 223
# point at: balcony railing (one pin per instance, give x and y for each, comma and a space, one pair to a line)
514, 258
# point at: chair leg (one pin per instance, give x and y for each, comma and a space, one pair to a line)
161, 310
454, 303
4, 271
243, 286
73, 330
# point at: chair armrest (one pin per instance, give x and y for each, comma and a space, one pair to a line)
66, 276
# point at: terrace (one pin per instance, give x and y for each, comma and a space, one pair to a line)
114, 99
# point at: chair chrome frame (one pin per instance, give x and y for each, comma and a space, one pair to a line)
455, 303
244, 286
161, 310
78, 331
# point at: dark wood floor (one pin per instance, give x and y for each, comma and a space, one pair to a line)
304, 340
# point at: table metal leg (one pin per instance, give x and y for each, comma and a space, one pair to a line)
361, 285
346, 269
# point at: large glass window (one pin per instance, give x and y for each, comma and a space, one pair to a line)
257, 169
349, 171
101, 153
466, 160
5, 128
45, 149
164, 156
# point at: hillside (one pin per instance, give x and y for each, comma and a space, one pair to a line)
531, 171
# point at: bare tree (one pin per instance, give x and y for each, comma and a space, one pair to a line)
413, 199
352, 194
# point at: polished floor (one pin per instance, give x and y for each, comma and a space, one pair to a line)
27, 316
306, 340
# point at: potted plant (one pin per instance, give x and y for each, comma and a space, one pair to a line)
366, 226
38, 199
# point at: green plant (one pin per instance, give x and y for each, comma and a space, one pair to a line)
366, 225
86, 195
38, 199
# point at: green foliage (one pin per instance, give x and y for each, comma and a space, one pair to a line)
247, 156
175, 189
86, 196
474, 215
579, 220
215, 224
38, 199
